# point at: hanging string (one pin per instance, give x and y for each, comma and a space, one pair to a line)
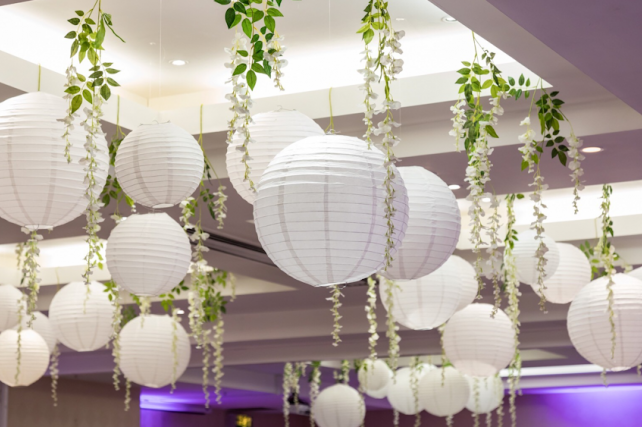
330, 128
39, 75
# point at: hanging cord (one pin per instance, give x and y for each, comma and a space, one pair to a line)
330, 129
39, 75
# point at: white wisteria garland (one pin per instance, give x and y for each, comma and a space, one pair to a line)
371, 315
336, 316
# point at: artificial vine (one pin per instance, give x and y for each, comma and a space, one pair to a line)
415, 373
113, 293
371, 315
54, 372
392, 328
342, 376
493, 250
336, 304
476, 400
288, 372
315, 385
30, 270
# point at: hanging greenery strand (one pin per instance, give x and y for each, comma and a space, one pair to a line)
415, 375
372, 317
288, 371
30, 272
391, 326
315, 384
336, 304
54, 372
493, 250
607, 258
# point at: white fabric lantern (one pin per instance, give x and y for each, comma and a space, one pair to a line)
490, 393
637, 273
590, 329
572, 274
148, 254
270, 132
319, 212
34, 357
10, 302
81, 317
476, 343
38, 188
159, 165
428, 302
469, 285
339, 406
146, 353
400, 395
434, 223
443, 392
374, 376
383, 391
526, 258
42, 325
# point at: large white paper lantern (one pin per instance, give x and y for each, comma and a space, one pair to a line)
147, 356
443, 392
590, 329
34, 357
270, 132
383, 391
42, 325
469, 285
374, 377
637, 273
38, 188
339, 406
476, 343
319, 212
10, 302
434, 223
148, 254
490, 393
159, 165
572, 274
400, 395
428, 302
81, 317
526, 259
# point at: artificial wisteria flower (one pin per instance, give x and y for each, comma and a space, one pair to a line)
273, 56
528, 150
538, 226
68, 121
458, 122
575, 165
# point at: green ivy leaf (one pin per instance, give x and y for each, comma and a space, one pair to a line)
76, 102
274, 12
243, 53
112, 81
112, 70
70, 35
511, 81
105, 92
74, 21
257, 15
487, 84
491, 131
240, 8
464, 71
223, 2
80, 13
96, 74
90, 21
521, 80
363, 29
247, 27
230, 15
100, 36
251, 79
87, 95
81, 77
368, 36
72, 90
91, 55
240, 69
270, 23
74, 48
258, 68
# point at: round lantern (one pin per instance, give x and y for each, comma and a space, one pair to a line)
146, 353
34, 357
572, 274
148, 254
433, 229
42, 325
637, 273
383, 391
374, 376
525, 252
490, 393
319, 212
270, 132
590, 329
10, 302
476, 343
428, 302
38, 188
81, 317
159, 165
339, 406
443, 392
469, 285
400, 395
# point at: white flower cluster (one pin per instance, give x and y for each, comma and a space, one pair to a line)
315, 385
575, 165
459, 120
392, 327
273, 56
336, 304
371, 315
369, 77
54, 372
287, 388
538, 226
528, 150
68, 121
494, 252
30, 271
219, 204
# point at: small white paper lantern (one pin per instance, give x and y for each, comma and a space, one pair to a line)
490, 392
339, 406
476, 343
10, 302
148, 254
34, 357
590, 329
271, 132
526, 258
374, 376
469, 285
428, 302
42, 325
159, 165
400, 395
637, 273
38, 188
383, 391
319, 212
81, 317
146, 353
443, 392
434, 223
572, 274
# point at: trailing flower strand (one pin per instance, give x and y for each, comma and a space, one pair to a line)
287, 389
607, 258
372, 317
30, 272
538, 226
392, 328
315, 385
54, 372
415, 373
493, 250
476, 401
336, 304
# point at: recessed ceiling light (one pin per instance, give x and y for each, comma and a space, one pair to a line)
400, 19
448, 19
179, 311
486, 200
454, 186
250, 221
591, 150
178, 62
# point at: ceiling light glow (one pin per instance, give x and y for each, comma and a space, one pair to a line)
454, 186
178, 62
448, 19
591, 149
486, 200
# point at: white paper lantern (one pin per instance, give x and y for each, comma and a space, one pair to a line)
146, 353
38, 188
476, 343
428, 302
490, 393
319, 212
159, 165
469, 285
526, 259
434, 223
10, 302
42, 325
374, 376
339, 406
81, 317
443, 392
637, 273
271, 132
34, 357
590, 329
148, 254
400, 395
572, 274
383, 391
